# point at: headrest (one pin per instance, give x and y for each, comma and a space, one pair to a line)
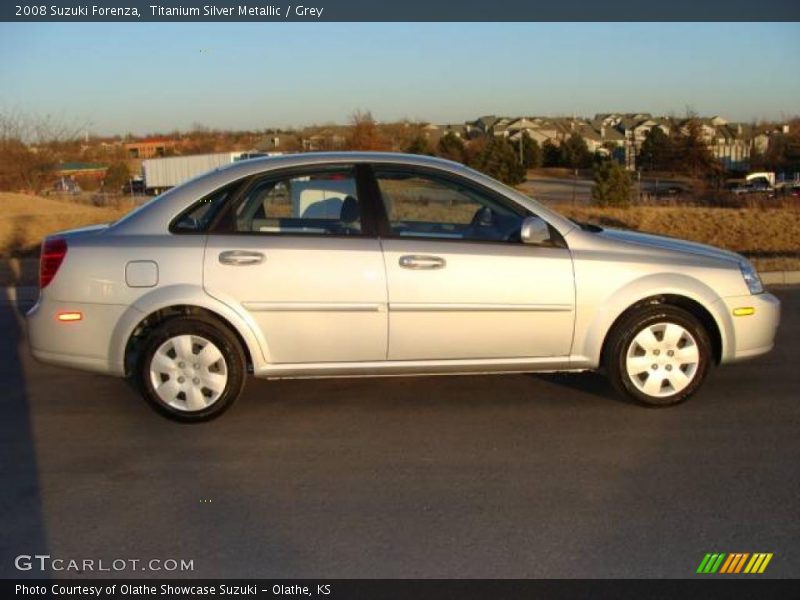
350, 212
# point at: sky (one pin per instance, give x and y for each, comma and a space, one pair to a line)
147, 77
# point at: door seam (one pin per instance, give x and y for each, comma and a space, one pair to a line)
388, 310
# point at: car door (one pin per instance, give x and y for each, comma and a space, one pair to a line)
295, 253
462, 285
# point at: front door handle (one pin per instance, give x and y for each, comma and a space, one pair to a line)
240, 258
422, 261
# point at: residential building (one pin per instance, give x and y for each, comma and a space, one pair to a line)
151, 147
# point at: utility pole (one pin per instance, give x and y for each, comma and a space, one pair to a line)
574, 183
639, 185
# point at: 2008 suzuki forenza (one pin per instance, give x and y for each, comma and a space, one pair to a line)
368, 264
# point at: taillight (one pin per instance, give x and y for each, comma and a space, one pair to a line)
53, 252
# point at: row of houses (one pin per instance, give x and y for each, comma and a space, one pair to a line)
622, 134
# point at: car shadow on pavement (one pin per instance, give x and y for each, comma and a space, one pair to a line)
588, 383
20, 492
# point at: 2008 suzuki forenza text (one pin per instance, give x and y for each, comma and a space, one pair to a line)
363, 264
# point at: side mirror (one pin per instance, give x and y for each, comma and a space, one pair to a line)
534, 231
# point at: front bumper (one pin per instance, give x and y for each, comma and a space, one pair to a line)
752, 334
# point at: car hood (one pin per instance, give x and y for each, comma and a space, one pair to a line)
674, 244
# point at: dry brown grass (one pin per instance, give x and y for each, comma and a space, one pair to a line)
771, 237
744, 230
25, 220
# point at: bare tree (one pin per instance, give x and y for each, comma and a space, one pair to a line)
31, 146
364, 133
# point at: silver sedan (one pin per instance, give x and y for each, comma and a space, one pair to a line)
365, 264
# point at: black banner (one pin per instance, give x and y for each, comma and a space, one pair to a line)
404, 589
407, 10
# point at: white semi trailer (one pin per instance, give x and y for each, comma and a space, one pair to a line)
160, 174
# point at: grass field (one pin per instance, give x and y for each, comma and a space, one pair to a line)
771, 237
25, 220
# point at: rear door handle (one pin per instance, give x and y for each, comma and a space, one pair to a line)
422, 262
240, 258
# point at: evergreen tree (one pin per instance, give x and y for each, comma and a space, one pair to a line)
551, 155
531, 151
451, 147
499, 160
576, 153
657, 152
782, 153
419, 145
692, 154
612, 185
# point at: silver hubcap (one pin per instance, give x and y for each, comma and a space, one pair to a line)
188, 373
662, 359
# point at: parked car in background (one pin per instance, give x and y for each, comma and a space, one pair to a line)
66, 185
670, 191
363, 264
758, 186
134, 187
742, 189
762, 177
754, 187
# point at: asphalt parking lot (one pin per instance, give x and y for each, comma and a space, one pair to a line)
474, 476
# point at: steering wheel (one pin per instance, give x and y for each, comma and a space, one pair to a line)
486, 224
483, 217
514, 234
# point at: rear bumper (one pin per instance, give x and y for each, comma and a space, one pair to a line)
83, 344
754, 334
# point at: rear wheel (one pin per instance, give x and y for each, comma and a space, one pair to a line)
191, 369
658, 355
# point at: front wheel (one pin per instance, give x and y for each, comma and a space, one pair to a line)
658, 355
191, 369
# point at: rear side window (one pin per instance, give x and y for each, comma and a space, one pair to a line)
323, 201
200, 216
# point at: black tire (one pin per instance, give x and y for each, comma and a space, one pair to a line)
232, 356
620, 342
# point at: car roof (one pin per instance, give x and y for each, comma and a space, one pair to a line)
312, 158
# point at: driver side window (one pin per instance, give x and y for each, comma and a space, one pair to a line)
421, 205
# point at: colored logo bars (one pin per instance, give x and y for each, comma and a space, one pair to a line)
734, 563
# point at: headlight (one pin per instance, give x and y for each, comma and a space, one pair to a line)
751, 278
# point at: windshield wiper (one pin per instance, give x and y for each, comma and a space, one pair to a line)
588, 226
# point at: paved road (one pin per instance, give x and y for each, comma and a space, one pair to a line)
578, 191
501, 476
558, 190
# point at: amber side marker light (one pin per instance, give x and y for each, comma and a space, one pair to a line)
744, 311
68, 317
